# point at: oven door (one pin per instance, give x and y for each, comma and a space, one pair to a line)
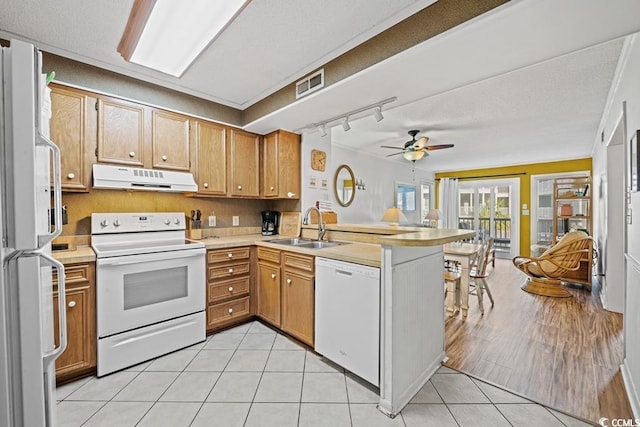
140, 290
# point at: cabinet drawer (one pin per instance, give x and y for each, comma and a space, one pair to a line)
226, 311
272, 255
229, 270
298, 261
227, 289
74, 275
231, 254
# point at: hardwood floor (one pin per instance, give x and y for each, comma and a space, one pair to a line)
562, 352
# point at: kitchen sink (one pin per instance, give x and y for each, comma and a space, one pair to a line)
318, 244
292, 241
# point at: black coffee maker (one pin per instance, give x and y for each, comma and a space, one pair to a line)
270, 222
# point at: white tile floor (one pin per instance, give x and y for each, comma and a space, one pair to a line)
252, 376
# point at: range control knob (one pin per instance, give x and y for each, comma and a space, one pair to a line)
104, 223
176, 221
117, 223
167, 222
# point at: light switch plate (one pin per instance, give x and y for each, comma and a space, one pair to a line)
212, 221
236, 221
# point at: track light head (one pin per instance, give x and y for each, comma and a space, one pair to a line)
345, 124
377, 113
322, 130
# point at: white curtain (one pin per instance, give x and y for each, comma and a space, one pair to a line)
448, 202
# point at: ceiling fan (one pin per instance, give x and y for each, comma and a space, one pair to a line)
415, 149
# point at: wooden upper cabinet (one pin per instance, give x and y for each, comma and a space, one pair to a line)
120, 132
211, 158
281, 165
244, 179
170, 141
73, 130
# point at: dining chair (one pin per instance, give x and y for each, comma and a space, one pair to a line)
478, 275
452, 279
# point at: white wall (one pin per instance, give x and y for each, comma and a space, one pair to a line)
627, 89
379, 176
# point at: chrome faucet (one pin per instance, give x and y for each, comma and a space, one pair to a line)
321, 227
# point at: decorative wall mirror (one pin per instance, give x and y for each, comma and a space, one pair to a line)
344, 185
405, 196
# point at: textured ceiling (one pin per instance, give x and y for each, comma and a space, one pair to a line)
525, 82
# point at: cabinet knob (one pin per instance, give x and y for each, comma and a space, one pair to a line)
272, 188
230, 288
132, 154
231, 311
288, 281
239, 187
230, 270
71, 175
273, 275
230, 255
205, 185
290, 194
164, 158
71, 304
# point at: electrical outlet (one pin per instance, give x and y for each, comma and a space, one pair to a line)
236, 221
212, 221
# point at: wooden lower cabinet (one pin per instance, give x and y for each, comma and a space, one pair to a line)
286, 293
228, 287
269, 286
298, 296
80, 356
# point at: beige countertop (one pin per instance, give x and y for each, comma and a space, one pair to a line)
359, 253
77, 255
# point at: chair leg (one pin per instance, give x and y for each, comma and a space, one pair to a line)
485, 286
479, 292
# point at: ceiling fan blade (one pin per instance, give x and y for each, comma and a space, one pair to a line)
421, 142
438, 147
388, 146
394, 154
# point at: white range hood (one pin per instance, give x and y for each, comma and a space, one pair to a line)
127, 178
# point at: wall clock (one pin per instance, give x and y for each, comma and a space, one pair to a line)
318, 160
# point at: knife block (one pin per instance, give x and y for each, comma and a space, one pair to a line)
195, 229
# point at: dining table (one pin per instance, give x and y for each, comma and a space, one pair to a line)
464, 254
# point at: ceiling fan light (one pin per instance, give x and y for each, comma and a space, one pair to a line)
412, 156
377, 113
345, 124
322, 130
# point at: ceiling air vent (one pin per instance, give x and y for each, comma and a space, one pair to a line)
309, 84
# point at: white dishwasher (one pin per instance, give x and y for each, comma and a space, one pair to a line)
347, 318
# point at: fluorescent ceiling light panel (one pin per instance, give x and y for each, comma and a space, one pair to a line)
176, 32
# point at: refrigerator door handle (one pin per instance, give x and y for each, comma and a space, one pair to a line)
50, 356
43, 239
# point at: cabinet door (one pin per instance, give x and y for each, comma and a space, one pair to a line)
80, 354
245, 161
269, 292
170, 141
281, 165
298, 299
73, 130
270, 165
211, 158
120, 132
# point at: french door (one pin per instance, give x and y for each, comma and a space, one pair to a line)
491, 208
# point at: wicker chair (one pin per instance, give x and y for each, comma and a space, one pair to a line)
547, 271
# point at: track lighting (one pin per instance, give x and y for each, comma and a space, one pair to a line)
345, 124
343, 119
377, 113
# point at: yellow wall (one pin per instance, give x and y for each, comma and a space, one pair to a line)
525, 184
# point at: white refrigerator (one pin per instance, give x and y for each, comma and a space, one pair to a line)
30, 195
